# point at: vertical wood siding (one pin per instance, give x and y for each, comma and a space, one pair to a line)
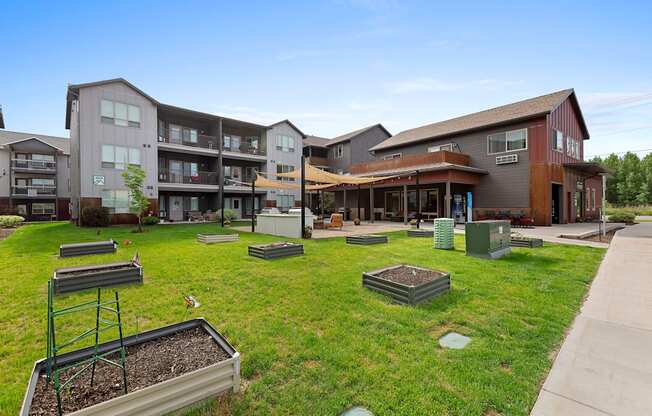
565, 119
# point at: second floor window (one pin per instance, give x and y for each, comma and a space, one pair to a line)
285, 169
572, 147
558, 141
120, 114
392, 156
339, 151
118, 157
231, 142
285, 143
507, 141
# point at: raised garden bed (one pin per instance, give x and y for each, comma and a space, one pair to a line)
276, 250
366, 239
525, 242
407, 284
421, 232
217, 238
83, 249
167, 369
72, 279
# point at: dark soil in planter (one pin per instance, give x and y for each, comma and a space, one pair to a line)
147, 364
92, 269
409, 276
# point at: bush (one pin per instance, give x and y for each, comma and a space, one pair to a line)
307, 232
622, 216
95, 217
10, 221
150, 220
229, 215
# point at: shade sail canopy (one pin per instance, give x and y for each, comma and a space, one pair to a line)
263, 182
314, 174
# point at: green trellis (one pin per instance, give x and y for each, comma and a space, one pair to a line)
101, 325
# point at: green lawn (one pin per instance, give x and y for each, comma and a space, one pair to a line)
313, 341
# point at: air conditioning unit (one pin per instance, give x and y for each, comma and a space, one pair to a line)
506, 159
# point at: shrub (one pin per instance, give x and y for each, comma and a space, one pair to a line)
307, 232
622, 216
229, 215
356, 221
95, 217
150, 220
9, 221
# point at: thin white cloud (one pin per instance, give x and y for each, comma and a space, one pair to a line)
427, 84
600, 100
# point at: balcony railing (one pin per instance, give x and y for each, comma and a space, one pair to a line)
39, 165
246, 147
35, 190
202, 141
195, 178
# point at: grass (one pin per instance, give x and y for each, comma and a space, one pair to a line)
313, 341
636, 210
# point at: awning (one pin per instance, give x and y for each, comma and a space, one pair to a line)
314, 174
262, 182
589, 168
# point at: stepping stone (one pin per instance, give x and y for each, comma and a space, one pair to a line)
454, 341
357, 411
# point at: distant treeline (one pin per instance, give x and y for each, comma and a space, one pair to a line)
631, 183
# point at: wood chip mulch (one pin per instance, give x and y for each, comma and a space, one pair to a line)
147, 364
410, 276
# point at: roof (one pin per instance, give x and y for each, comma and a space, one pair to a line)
12, 137
589, 168
323, 142
430, 167
290, 124
2, 121
510, 113
74, 89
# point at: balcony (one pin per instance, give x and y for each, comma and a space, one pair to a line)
29, 165
34, 191
199, 142
245, 148
440, 158
195, 178
318, 161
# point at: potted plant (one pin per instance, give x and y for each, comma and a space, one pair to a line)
356, 221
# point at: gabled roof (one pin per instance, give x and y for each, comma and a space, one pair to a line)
510, 113
290, 124
61, 144
323, 142
73, 89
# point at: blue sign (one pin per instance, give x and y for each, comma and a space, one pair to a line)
469, 207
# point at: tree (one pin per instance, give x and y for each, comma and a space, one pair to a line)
134, 178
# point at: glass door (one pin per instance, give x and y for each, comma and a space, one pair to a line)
176, 171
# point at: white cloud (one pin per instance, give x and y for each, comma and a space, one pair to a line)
427, 84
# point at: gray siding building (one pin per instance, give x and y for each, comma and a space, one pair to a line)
284, 147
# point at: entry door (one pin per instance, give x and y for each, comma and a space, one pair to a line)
176, 208
176, 171
556, 203
236, 206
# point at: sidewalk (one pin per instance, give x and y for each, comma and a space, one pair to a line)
604, 366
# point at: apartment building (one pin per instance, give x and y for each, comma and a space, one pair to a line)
284, 149
339, 153
34, 175
523, 159
114, 124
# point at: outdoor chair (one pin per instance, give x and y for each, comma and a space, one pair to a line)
195, 216
335, 222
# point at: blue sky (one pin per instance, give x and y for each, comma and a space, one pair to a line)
335, 66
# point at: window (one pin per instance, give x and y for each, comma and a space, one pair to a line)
194, 203
593, 198
45, 158
509, 141
558, 141
116, 201
339, 151
284, 202
392, 156
119, 114
577, 150
285, 169
189, 135
285, 143
42, 182
175, 133
439, 147
254, 143
118, 157
44, 208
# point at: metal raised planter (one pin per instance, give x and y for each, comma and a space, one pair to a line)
276, 250
526, 242
72, 279
217, 238
367, 239
163, 397
421, 232
83, 249
404, 294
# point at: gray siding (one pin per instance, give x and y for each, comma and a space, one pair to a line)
344, 162
275, 156
93, 134
356, 150
506, 186
63, 176
5, 185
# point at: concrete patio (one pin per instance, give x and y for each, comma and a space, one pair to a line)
604, 366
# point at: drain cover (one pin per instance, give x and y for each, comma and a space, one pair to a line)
357, 411
454, 341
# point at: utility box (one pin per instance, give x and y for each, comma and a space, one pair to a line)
488, 239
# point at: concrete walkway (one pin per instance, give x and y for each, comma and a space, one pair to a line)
604, 366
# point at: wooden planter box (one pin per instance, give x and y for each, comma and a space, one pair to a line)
163, 397
217, 238
72, 279
420, 232
83, 249
402, 293
276, 250
526, 242
366, 239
